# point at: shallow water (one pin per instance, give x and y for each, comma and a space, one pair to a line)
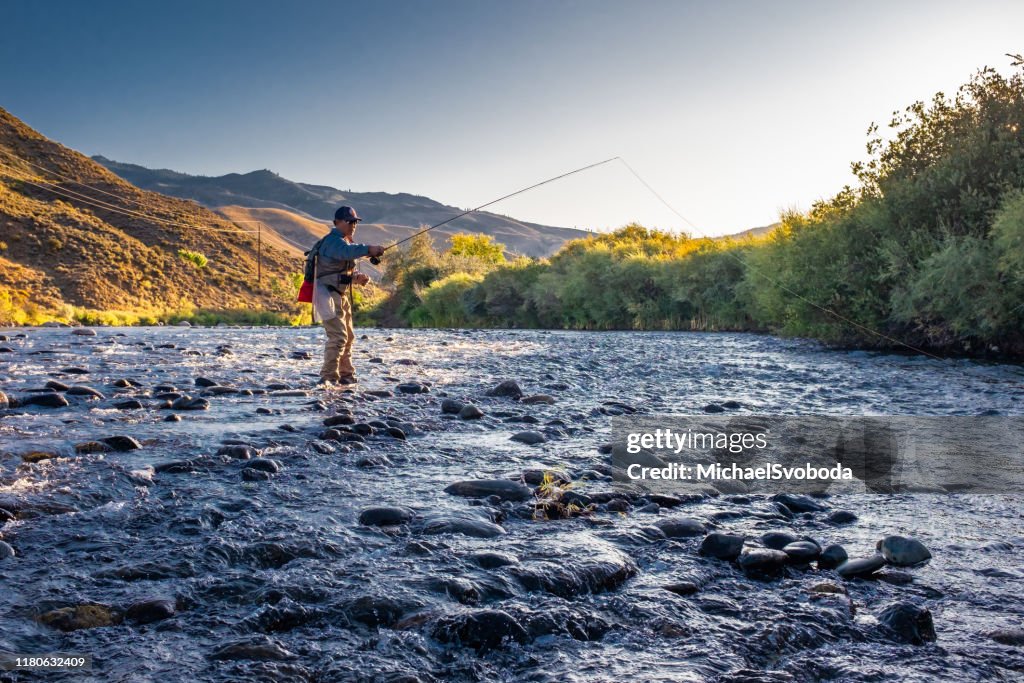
285, 558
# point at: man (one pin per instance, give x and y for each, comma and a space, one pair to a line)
335, 265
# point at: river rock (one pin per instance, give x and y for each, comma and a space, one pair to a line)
5, 402
682, 588
470, 412
538, 398
148, 611
507, 389
832, 556
467, 526
413, 388
903, 552
802, 552
335, 420
84, 332
264, 465
530, 438
130, 404
80, 617
505, 489
482, 629
777, 540
451, 406
122, 443
385, 516
205, 382
172, 418
80, 390
841, 517
1008, 636
56, 386
6, 551
680, 527
261, 648
861, 568
238, 452
569, 577
909, 622
763, 564
44, 401
188, 403
721, 546
378, 610
490, 559
92, 447
798, 502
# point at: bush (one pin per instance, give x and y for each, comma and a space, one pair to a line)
193, 257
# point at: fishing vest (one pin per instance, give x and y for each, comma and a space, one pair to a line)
330, 272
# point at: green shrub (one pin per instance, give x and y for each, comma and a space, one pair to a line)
193, 257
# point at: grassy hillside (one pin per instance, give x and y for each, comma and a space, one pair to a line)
77, 238
388, 216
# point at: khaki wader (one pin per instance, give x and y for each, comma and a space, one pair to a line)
340, 335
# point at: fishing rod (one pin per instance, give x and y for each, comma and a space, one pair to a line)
375, 260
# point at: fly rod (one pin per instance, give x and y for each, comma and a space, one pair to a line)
376, 260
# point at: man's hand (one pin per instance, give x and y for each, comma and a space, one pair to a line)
375, 250
360, 278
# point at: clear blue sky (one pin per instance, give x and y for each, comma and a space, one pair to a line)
732, 110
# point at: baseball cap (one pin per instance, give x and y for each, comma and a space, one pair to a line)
347, 214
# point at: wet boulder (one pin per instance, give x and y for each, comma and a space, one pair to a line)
47, 400
130, 404
5, 402
530, 438
84, 332
505, 489
763, 564
82, 390
841, 517
335, 420
903, 552
87, 447
148, 611
80, 617
832, 556
861, 568
802, 552
490, 559
538, 398
481, 629
721, 546
571, 576
1008, 636
377, 610
6, 551
507, 389
385, 516
268, 465
681, 527
205, 382
413, 388
460, 524
451, 406
238, 452
470, 412
188, 403
260, 648
798, 502
122, 443
777, 540
910, 623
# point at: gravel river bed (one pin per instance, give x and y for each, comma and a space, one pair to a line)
174, 506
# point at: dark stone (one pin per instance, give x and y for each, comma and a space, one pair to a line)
529, 438
832, 556
255, 475
763, 564
205, 382
362, 429
508, 389
451, 406
909, 622
80, 390
777, 540
122, 443
470, 412
681, 527
44, 401
721, 546
841, 517
570, 577
484, 629
493, 560
682, 588
385, 516
376, 611
148, 611
664, 501
264, 465
335, 420
6, 551
903, 552
80, 617
238, 452
395, 433
802, 552
413, 388
713, 408
130, 404
467, 526
1008, 636
172, 418
798, 502
188, 403
505, 489
5, 402
260, 648
92, 447
861, 568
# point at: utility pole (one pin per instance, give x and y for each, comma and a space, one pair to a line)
259, 253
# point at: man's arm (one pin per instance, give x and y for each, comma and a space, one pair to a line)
340, 250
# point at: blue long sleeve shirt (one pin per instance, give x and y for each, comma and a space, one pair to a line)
336, 255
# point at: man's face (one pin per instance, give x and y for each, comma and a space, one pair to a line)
348, 229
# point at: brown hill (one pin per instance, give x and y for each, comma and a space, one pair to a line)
74, 233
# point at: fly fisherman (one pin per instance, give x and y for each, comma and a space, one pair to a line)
335, 261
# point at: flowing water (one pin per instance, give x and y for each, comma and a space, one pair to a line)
272, 577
